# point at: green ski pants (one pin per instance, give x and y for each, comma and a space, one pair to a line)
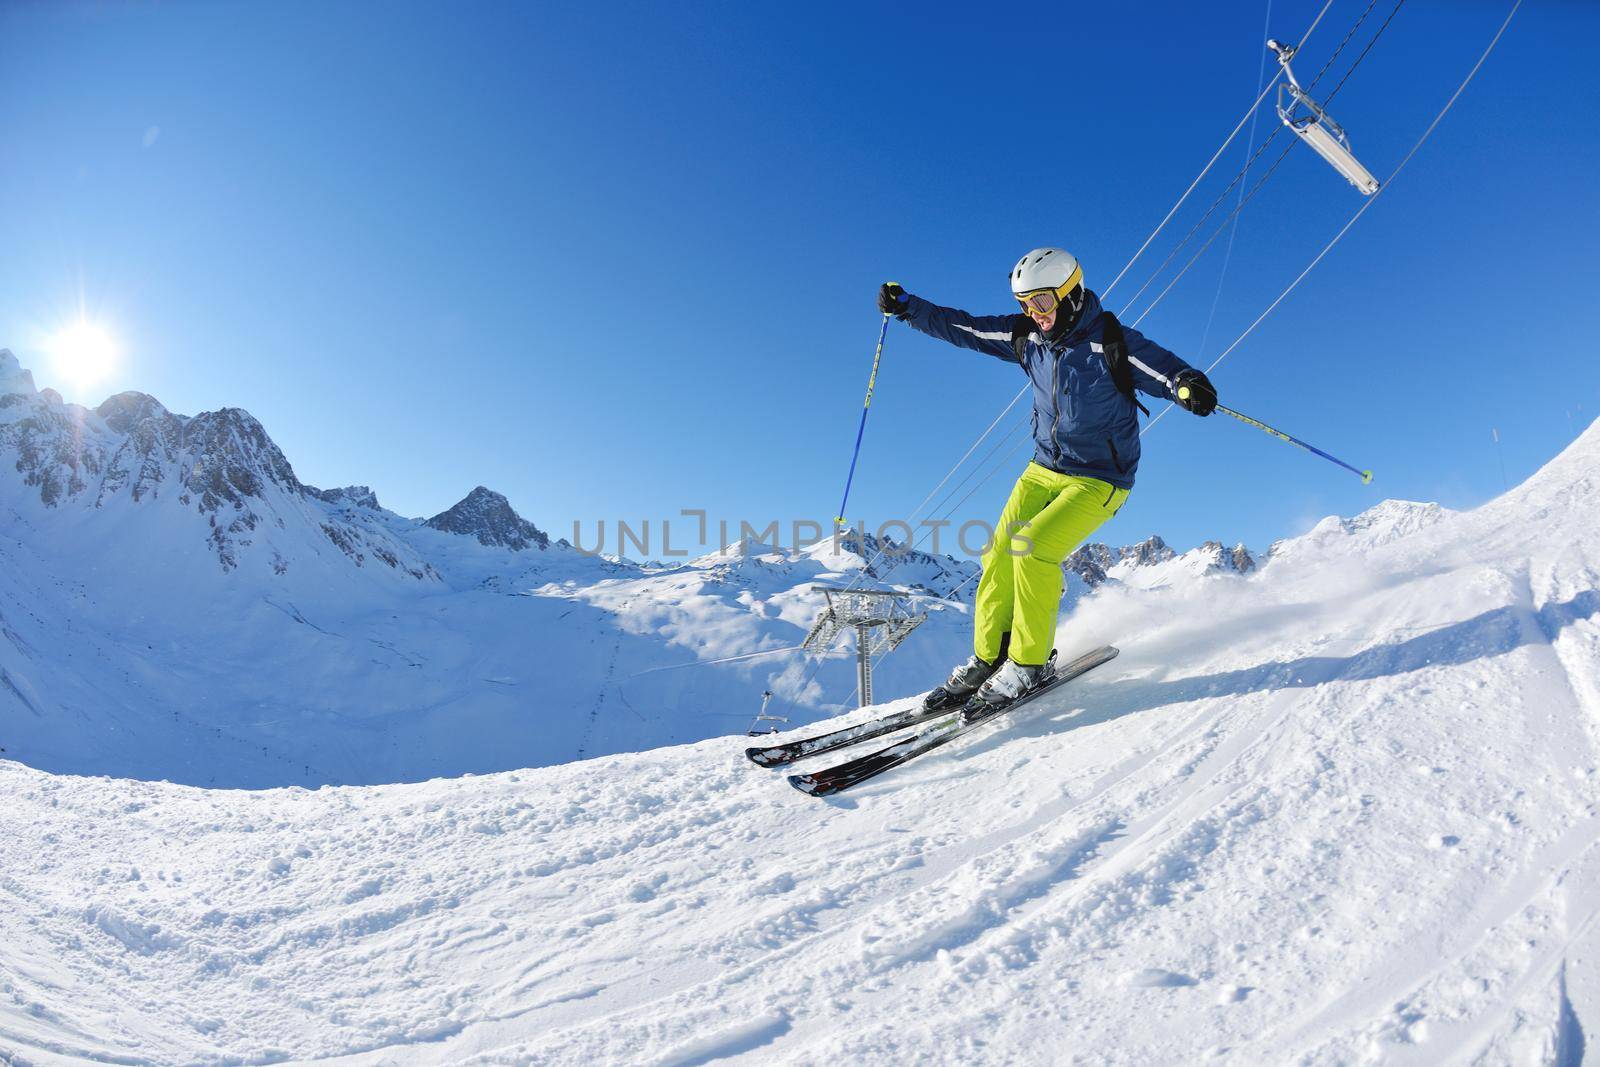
1048, 516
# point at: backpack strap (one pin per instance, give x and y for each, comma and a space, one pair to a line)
1114, 348
1113, 345
1022, 328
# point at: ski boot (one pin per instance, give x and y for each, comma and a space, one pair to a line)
962, 684
1005, 687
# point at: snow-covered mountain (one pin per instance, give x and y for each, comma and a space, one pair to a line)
1152, 562
1319, 815
1373, 528
216, 477
488, 516
176, 603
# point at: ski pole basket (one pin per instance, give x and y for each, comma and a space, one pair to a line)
1316, 127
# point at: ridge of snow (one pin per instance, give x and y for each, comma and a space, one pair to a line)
1379, 525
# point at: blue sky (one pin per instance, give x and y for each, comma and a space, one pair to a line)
622, 261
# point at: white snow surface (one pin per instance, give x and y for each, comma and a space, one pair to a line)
1324, 815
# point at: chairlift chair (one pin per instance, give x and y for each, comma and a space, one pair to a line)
756, 729
1316, 128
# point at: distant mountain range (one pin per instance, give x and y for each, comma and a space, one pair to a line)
175, 602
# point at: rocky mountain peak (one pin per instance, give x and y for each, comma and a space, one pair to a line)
1237, 559
1151, 550
126, 412
230, 457
359, 496
900, 562
13, 379
221, 463
1091, 561
489, 516
1096, 563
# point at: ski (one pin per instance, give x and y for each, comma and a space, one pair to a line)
778, 755
831, 780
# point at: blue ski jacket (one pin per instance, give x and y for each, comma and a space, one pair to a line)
1082, 423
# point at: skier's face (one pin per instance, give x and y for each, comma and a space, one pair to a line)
1045, 322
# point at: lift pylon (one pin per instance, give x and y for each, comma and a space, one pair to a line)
881, 620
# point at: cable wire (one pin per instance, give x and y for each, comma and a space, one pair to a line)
1362, 210
1227, 258
1212, 161
1239, 177
1245, 200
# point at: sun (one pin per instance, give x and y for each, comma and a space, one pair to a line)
84, 354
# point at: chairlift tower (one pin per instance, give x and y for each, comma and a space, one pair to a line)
881, 620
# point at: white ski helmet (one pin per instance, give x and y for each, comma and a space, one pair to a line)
1046, 268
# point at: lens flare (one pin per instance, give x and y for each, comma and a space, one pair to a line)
83, 354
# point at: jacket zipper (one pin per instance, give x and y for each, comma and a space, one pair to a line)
1116, 460
1055, 398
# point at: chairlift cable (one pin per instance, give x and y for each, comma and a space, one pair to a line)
713, 662
1016, 443
1233, 232
1245, 200
1363, 54
1211, 162
916, 510
999, 443
1239, 177
1367, 203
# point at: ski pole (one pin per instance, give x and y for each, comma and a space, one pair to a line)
1366, 476
872, 380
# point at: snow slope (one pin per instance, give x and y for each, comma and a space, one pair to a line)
1324, 815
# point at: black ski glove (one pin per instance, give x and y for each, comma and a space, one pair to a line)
1194, 391
891, 300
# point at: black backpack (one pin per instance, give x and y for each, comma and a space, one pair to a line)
1114, 349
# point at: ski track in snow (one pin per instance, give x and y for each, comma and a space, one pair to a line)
1331, 815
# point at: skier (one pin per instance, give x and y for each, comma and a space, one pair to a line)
1084, 366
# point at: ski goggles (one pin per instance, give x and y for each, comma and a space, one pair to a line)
1040, 301
1045, 301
